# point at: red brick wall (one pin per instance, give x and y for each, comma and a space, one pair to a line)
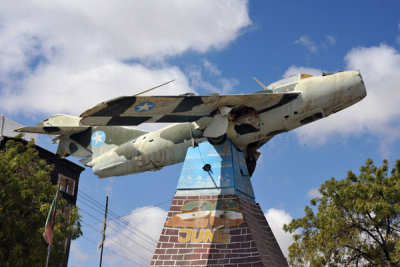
233, 233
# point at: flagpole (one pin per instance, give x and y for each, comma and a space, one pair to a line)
48, 254
104, 232
52, 226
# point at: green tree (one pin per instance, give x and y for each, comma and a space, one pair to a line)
355, 221
26, 194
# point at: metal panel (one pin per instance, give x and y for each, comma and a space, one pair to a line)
210, 169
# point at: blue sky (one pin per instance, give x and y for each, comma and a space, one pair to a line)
67, 56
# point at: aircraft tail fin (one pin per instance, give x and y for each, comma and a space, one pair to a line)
81, 141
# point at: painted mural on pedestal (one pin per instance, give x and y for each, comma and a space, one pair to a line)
207, 221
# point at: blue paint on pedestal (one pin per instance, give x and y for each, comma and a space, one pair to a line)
228, 173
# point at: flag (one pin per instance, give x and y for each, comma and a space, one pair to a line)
48, 228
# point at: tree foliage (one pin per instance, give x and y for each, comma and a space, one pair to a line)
355, 221
26, 194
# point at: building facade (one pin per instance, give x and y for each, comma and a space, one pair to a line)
65, 172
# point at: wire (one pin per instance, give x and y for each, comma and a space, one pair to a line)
119, 218
111, 227
136, 231
101, 212
145, 236
143, 209
92, 204
101, 206
123, 246
112, 251
98, 207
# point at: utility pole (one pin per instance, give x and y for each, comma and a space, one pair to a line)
104, 232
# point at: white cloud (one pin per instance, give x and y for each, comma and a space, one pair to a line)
228, 84
77, 257
68, 56
293, 70
55, 89
398, 34
313, 193
129, 28
109, 187
330, 40
208, 66
307, 43
310, 45
378, 113
141, 243
151, 220
276, 219
199, 79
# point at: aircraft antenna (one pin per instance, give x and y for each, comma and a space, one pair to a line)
148, 90
260, 83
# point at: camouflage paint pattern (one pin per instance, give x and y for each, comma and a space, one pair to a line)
100, 140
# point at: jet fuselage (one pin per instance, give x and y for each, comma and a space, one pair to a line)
318, 97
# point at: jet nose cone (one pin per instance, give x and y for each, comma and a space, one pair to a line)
353, 82
358, 86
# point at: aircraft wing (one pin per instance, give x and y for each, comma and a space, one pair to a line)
52, 130
134, 110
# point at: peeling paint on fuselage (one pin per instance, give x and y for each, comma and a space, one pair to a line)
151, 151
320, 96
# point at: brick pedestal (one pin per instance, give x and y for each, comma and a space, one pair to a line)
242, 238
213, 219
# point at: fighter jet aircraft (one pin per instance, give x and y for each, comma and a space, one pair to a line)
101, 140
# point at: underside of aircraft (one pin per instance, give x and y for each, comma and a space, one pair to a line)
100, 138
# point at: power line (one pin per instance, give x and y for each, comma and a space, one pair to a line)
92, 204
143, 209
112, 251
95, 206
91, 207
151, 242
118, 217
151, 251
121, 216
143, 234
122, 246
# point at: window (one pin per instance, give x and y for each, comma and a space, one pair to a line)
67, 185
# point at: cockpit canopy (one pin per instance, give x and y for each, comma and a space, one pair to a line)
290, 79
